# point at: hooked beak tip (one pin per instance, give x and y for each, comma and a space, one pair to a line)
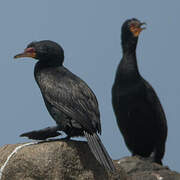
143, 23
19, 55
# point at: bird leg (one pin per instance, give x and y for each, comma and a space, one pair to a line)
43, 134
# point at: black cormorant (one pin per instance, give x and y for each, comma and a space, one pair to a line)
69, 100
138, 111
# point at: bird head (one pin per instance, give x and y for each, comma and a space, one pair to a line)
44, 51
130, 32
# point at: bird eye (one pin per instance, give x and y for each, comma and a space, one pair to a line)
133, 24
30, 50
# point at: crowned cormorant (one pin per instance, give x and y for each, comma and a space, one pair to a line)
138, 111
69, 100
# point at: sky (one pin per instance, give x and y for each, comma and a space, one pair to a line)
89, 32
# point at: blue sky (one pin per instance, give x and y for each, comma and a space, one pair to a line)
89, 32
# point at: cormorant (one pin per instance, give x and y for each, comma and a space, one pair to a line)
69, 100
138, 111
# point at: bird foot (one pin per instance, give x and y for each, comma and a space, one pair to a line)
67, 138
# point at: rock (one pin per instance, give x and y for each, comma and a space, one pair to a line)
72, 160
54, 160
141, 169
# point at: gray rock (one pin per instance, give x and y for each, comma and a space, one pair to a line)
54, 160
72, 160
142, 169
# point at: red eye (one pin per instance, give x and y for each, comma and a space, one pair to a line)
30, 50
134, 24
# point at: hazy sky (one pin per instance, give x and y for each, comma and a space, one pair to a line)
89, 32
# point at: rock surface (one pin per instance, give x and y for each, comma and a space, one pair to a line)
140, 169
53, 160
72, 160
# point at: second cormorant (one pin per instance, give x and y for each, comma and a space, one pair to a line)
69, 100
138, 111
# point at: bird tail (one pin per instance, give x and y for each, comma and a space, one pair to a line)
99, 151
42, 134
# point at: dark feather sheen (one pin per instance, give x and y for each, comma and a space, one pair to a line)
138, 111
65, 93
68, 99
68, 93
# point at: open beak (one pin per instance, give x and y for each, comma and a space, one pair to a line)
28, 52
136, 29
142, 28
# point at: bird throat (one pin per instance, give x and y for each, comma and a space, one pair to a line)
128, 64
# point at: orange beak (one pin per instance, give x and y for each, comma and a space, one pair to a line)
28, 52
137, 29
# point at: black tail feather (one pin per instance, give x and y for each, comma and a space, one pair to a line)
106, 153
93, 148
99, 151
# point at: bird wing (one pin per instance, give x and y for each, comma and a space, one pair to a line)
71, 95
153, 99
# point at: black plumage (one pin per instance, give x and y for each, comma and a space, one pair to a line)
69, 100
138, 111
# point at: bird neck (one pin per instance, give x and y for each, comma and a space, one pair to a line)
129, 45
128, 68
50, 63
129, 62
42, 66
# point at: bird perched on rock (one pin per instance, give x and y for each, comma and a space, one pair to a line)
138, 111
69, 100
